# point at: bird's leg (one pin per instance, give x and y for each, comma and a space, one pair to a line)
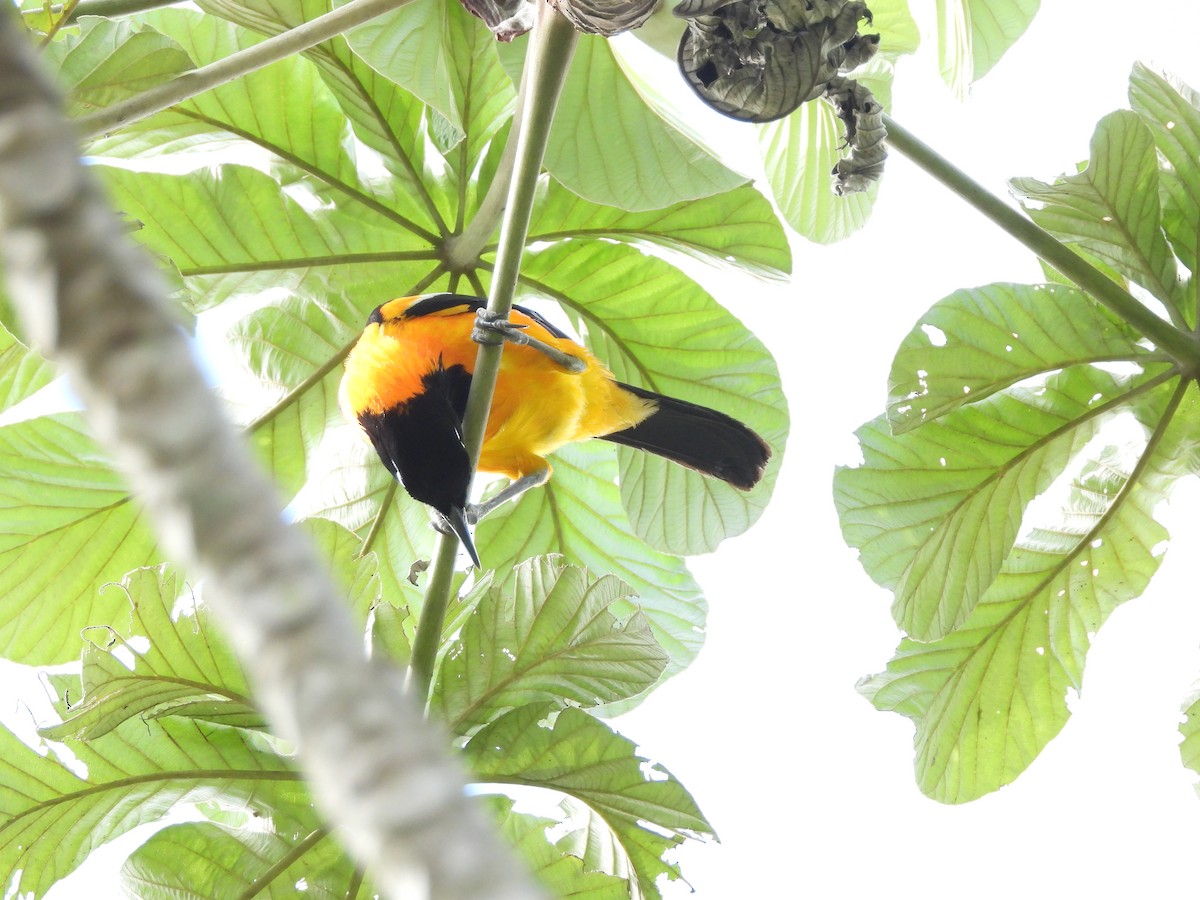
476, 511
492, 328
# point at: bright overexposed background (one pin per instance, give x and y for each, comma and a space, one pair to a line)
810, 789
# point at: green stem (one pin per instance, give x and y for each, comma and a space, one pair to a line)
428, 639
205, 78
550, 54
294, 855
461, 252
1179, 344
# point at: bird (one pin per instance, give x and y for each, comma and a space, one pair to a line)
406, 383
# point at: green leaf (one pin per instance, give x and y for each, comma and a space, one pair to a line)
446, 57
384, 116
695, 351
1111, 208
935, 511
51, 818
987, 698
734, 228
974, 34
581, 757
66, 527
354, 491
239, 220
980, 340
551, 638
578, 514
608, 146
113, 60
1171, 110
283, 108
187, 670
23, 372
293, 350
357, 576
560, 872
202, 860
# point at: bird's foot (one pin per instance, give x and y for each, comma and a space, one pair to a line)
494, 328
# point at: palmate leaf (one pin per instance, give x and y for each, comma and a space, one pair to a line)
935, 511
51, 819
385, 116
611, 147
1111, 209
581, 757
1171, 110
551, 639
989, 696
578, 514
974, 34
696, 351
67, 526
980, 340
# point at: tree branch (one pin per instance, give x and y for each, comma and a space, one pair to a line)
94, 303
273, 49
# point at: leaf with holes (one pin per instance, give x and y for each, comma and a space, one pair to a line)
1111, 208
988, 697
981, 340
934, 512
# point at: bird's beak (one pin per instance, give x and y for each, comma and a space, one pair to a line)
458, 523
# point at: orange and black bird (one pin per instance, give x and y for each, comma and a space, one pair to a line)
407, 380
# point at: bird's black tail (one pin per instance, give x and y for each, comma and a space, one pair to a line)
697, 437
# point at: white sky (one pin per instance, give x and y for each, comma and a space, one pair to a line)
809, 787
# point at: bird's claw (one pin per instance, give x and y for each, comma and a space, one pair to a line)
495, 328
